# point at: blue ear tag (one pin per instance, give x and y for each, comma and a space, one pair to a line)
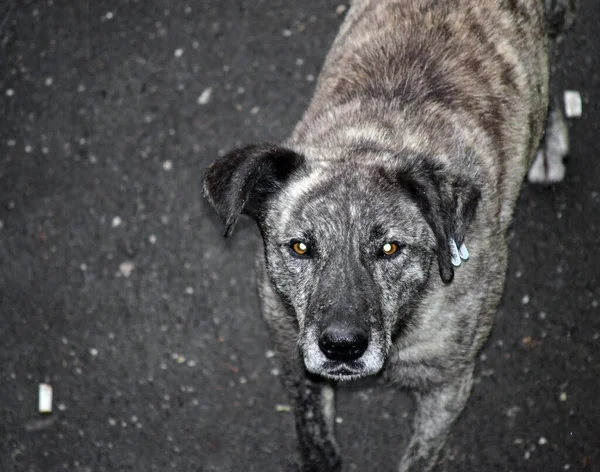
454, 253
464, 253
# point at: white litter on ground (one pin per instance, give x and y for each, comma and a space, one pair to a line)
126, 268
45, 398
205, 96
573, 104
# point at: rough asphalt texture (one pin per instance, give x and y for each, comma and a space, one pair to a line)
117, 289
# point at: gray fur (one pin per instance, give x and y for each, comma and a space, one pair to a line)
425, 118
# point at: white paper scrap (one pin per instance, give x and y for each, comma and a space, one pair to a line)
573, 104
45, 398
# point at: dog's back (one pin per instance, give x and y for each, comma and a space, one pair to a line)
431, 73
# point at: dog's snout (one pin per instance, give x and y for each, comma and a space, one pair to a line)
340, 343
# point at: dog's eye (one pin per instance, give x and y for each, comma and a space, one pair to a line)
300, 248
389, 249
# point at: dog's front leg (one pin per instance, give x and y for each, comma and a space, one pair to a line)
437, 410
313, 403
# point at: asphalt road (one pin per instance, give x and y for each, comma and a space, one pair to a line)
117, 289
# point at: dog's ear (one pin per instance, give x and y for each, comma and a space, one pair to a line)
242, 180
448, 203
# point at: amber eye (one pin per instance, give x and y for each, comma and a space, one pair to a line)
389, 249
300, 248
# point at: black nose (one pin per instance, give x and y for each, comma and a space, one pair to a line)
340, 343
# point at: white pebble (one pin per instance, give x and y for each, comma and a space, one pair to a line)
563, 397
167, 165
191, 363
310, 78
525, 299
573, 104
340, 9
299, 61
49, 81
178, 52
287, 33
125, 268
205, 96
94, 351
254, 110
189, 290
28, 148
116, 221
10, 92
542, 441
109, 15
152, 239
527, 455
269, 354
339, 420
11, 142
112, 421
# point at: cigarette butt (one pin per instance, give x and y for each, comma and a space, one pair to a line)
45, 398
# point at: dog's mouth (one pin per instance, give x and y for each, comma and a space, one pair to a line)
344, 371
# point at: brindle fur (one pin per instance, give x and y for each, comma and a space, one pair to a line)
425, 118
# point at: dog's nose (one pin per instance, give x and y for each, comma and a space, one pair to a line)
340, 343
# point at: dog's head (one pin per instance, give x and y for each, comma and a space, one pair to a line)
349, 249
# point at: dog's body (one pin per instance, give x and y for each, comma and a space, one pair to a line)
425, 118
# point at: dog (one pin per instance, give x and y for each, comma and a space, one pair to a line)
384, 215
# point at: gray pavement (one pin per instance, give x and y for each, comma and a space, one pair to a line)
117, 289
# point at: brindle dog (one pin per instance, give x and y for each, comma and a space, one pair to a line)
384, 216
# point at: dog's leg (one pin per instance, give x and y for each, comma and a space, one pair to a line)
437, 410
314, 413
548, 166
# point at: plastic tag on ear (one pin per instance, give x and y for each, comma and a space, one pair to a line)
464, 252
456, 261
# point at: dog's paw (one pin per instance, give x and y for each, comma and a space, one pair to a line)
548, 166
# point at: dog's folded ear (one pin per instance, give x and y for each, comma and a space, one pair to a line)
242, 180
447, 201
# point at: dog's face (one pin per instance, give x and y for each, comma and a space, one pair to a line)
349, 250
